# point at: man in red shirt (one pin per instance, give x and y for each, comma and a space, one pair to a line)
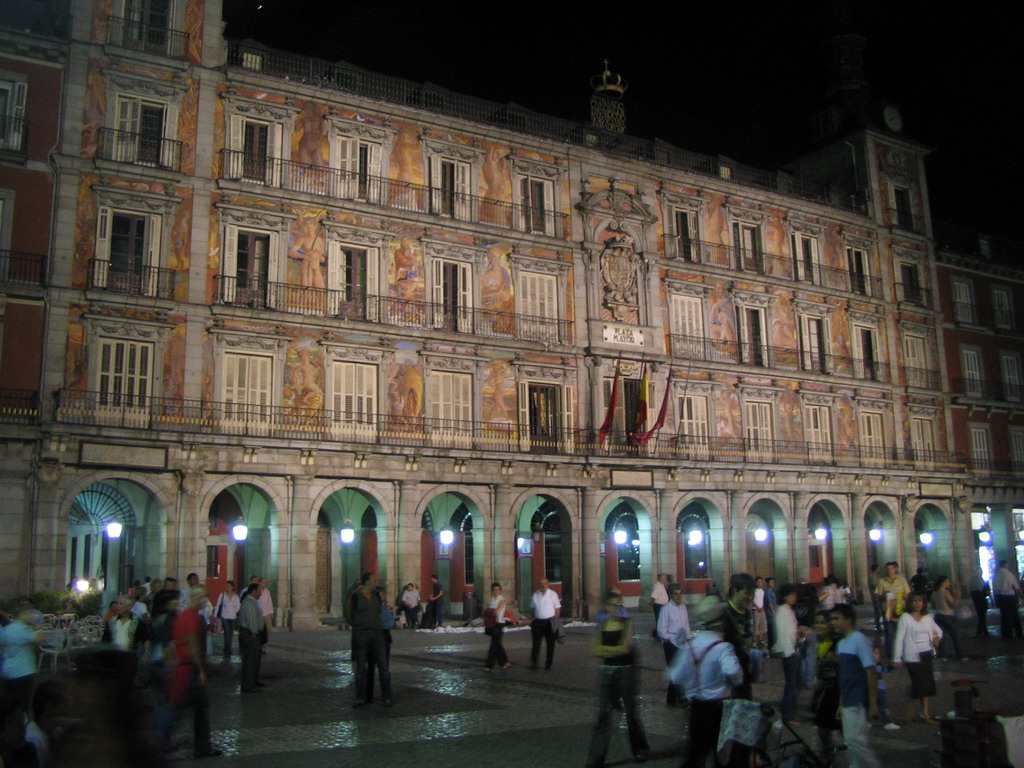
188, 678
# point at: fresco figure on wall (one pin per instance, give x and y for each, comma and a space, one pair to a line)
496, 293
790, 416
496, 187
406, 166
728, 417
304, 389
310, 136
846, 420
499, 393
405, 396
407, 277
306, 246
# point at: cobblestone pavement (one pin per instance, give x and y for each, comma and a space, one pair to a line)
449, 711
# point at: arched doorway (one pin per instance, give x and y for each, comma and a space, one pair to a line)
544, 548
880, 533
760, 544
820, 558
450, 547
933, 542
693, 548
349, 542
626, 547
232, 555
115, 536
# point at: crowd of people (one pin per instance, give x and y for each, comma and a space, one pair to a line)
156, 639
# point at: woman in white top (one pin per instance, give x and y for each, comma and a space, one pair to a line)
496, 653
228, 605
917, 634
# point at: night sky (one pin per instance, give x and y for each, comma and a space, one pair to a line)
733, 79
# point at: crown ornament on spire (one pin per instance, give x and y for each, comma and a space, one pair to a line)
609, 83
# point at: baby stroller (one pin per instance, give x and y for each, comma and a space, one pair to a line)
780, 746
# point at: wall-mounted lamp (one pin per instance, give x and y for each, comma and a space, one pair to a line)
240, 532
346, 534
446, 536
114, 529
761, 534
875, 534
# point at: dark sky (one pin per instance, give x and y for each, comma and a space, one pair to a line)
736, 79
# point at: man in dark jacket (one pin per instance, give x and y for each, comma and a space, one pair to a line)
363, 614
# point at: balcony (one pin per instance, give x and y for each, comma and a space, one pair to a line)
1005, 320
79, 407
981, 466
907, 221
19, 267
18, 406
134, 280
147, 38
966, 312
706, 350
922, 378
376, 190
294, 68
352, 305
761, 263
913, 294
13, 134
139, 149
977, 389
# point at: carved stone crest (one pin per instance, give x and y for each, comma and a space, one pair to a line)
619, 262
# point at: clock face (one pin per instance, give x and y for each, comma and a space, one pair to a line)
893, 119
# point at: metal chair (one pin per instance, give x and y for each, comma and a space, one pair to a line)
54, 646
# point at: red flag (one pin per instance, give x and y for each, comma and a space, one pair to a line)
609, 417
641, 438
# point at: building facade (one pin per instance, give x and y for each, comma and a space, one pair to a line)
389, 327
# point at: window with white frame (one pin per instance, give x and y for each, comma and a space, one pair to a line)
450, 187
857, 264
746, 238
360, 164
545, 415
147, 25
865, 349
758, 428
964, 309
1017, 448
353, 398
686, 317
452, 294
813, 345
124, 375
972, 372
1013, 380
979, 441
536, 205
872, 436
753, 336
805, 257
910, 287
256, 131
687, 234
144, 134
451, 405
537, 297
248, 388
922, 437
915, 359
694, 429
13, 94
818, 431
1002, 309
353, 281
625, 417
249, 262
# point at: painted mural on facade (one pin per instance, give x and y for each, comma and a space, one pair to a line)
307, 250
497, 297
498, 391
304, 375
310, 140
789, 413
728, 415
195, 12
405, 391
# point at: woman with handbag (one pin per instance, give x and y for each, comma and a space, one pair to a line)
494, 625
917, 635
228, 605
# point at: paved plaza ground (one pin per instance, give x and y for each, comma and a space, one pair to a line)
449, 711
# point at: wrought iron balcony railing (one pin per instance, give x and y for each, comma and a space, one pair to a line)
18, 406
378, 190
13, 134
353, 305
18, 267
966, 312
914, 294
345, 77
978, 389
277, 422
761, 263
1005, 320
137, 280
139, 149
922, 378
150, 38
994, 466
707, 350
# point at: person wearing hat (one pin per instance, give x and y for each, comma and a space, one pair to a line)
706, 669
674, 630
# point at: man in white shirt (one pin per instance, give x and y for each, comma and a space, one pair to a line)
267, 610
787, 633
760, 618
1006, 589
659, 597
674, 630
546, 606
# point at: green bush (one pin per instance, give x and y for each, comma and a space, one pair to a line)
57, 602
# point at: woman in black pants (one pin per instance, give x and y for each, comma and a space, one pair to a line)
496, 653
